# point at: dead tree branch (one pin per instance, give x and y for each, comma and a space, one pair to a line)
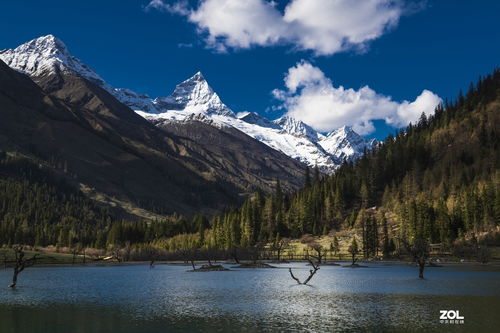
293, 276
315, 268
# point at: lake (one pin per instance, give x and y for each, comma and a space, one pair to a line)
167, 298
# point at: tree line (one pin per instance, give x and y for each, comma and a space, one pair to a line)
438, 180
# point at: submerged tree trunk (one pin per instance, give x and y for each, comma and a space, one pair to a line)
420, 251
20, 264
14, 277
421, 266
235, 255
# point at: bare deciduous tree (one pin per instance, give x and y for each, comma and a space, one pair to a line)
234, 253
74, 252
318, 249
256, 251
420, 251
126, 251
117, 254
20, 263
279, 246
315, 268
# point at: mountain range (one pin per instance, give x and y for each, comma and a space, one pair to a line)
195, 101
66, 124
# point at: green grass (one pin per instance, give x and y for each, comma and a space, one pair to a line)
43, 258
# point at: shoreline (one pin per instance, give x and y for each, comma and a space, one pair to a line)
224, 262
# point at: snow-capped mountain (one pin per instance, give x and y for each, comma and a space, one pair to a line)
48, 54
256, 119
286, 134
297, 127
195, 96
45, 55
194, 100
345, 144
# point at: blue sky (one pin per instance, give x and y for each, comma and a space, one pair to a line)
441, 46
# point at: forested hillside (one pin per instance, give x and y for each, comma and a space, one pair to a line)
439, 178
39, 209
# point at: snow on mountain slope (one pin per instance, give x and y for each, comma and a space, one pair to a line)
44, 55
48, 54
256, 119
196, 96
345, 144
297, 127
288, 135
194, 100
295, 146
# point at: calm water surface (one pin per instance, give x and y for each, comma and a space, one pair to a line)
167, 298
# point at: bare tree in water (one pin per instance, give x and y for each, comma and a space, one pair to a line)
318, 248
353, 250
420, 251
315, 268
256, 252
279, 245
21, 263
233, 252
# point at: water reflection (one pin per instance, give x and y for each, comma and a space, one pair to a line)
133, 298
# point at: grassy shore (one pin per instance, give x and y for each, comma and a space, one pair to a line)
44, 258
64, 259
296, 250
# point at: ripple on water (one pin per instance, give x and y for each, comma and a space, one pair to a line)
340, 299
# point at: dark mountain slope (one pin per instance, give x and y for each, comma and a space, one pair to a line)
90, 147
74, 125
229, 153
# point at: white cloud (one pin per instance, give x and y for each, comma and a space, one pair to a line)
322, 26
178, 7
311, 97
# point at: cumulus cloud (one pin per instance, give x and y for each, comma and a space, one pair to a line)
311, 97
322, 26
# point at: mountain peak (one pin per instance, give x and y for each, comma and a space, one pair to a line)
196, 96
46, 55
297, 127
46, 45
344, 130
198, 76
196, 85
345, 144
